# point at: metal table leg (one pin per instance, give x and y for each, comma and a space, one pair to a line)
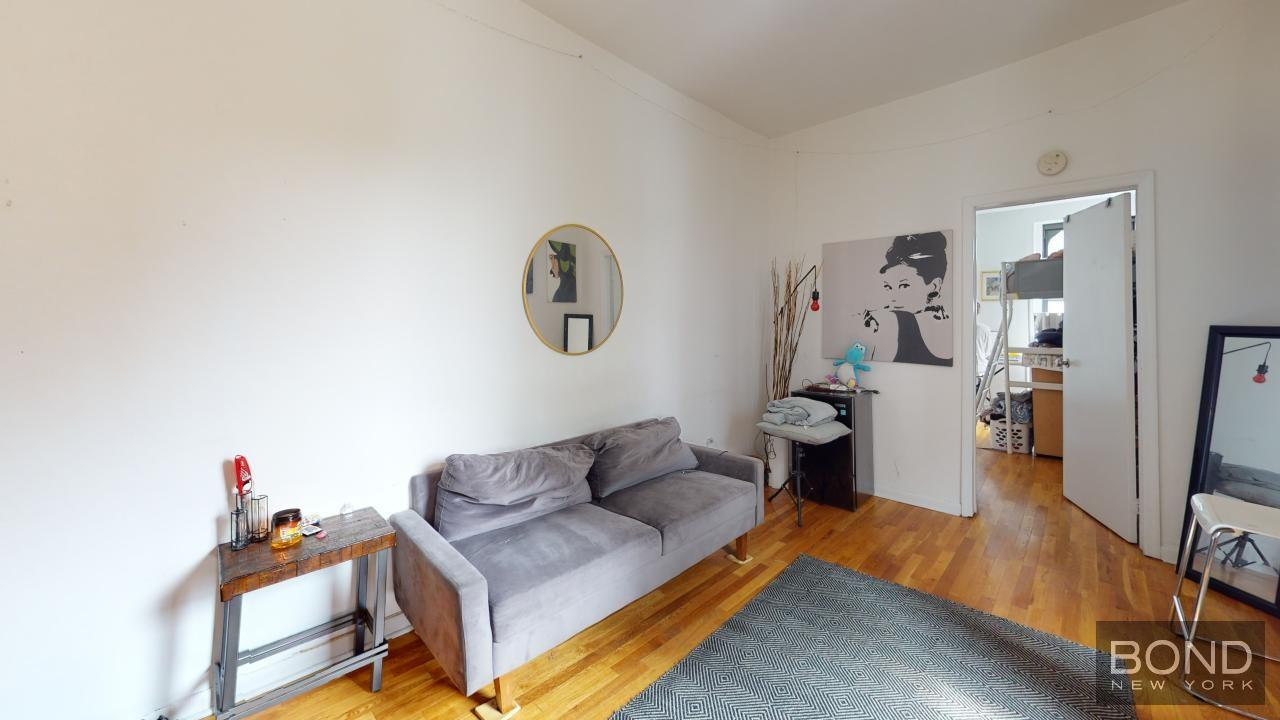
229, 654
362, 601
379, 613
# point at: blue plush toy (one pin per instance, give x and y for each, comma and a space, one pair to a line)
848, 368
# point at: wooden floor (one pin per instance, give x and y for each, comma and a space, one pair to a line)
1029, 556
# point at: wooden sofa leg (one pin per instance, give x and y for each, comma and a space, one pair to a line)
503, 706
506, 687
740, 555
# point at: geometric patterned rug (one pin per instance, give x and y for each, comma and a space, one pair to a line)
824, 641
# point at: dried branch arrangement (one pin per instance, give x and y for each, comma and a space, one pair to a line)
790, 307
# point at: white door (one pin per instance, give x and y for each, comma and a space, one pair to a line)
1099, 464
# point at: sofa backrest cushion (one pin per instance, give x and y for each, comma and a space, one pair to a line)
422, 493
479, 493
630, 454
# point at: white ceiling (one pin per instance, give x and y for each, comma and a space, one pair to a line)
777, 66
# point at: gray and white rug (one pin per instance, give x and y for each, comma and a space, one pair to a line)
823, 641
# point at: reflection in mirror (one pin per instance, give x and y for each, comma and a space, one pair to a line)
577, 332
572, 289
1242, 461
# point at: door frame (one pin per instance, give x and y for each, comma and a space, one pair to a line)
1143, 185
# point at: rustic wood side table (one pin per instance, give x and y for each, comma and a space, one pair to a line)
355, 536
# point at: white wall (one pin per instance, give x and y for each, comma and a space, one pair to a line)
1205, 126
297, 230
1003, 236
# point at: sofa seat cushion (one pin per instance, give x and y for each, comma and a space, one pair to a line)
684, 505
534, 567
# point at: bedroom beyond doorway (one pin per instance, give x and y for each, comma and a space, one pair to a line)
1054, 346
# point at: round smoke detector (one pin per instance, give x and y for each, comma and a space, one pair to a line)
1052, 162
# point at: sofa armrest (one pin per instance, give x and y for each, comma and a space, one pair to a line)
742, 467
446, 599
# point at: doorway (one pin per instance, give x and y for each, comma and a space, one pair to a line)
1069, 408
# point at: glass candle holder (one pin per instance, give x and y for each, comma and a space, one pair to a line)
239, 529
259, 519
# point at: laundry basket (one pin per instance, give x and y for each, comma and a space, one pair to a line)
1020, 432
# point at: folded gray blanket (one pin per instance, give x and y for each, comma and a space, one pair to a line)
801, 411
816, 435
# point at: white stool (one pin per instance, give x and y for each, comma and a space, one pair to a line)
1216, 515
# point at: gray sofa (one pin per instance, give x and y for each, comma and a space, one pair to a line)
490, 602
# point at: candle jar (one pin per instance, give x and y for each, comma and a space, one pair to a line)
259, 519
286, 528
239, 529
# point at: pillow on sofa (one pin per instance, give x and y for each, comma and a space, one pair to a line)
479, 493
630, 454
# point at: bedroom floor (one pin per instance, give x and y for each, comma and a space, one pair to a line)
1029, 555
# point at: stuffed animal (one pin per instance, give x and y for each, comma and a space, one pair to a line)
848, 368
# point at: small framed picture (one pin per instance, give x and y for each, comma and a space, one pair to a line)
989, 285
579, 333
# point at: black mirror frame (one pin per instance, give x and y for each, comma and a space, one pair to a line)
591, 330
1204, 436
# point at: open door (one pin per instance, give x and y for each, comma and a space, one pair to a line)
1099, 461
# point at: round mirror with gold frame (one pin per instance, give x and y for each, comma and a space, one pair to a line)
572, 289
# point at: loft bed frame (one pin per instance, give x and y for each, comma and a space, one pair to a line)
1022, 280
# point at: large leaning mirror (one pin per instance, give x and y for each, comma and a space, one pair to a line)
1237, 455
572, 289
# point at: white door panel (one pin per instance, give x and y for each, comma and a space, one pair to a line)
1099, 463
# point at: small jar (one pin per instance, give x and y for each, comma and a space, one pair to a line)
286, 528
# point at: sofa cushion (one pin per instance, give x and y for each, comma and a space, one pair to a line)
684, 505
479, 493
630, 454
1251, 484
533, 567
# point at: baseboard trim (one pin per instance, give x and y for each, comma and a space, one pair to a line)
275, 671
952, 508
